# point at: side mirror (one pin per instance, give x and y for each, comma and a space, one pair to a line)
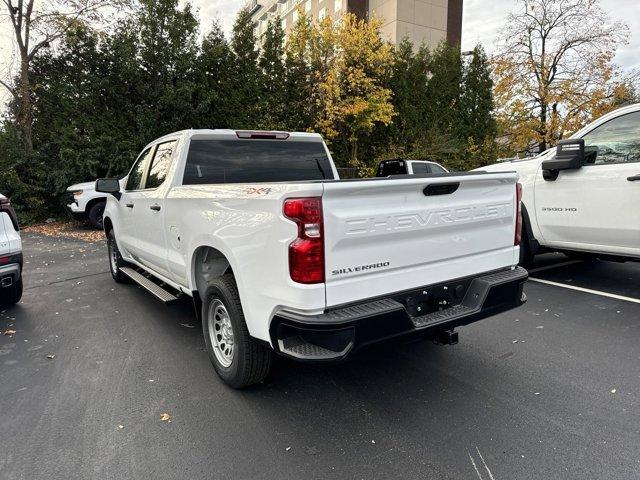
569, 156
108, 185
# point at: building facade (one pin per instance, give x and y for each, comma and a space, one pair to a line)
421, 21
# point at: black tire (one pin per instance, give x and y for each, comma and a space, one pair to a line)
95, 214
250, 361
115, 259
11, 295
526, 255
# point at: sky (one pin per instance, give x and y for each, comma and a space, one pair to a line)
482, 19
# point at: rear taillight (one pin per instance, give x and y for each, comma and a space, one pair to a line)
306, 253
518, 237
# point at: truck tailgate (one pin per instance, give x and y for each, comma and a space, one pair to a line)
388, 235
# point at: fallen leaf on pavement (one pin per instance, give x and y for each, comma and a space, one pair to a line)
67, 229
165, 417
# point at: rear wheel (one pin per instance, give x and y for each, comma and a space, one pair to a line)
239, 360
115, 259
95, 214
12, 294
526, 255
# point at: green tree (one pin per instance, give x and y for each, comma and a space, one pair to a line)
213, 105
272, 65
477, 105
408, 82
444, 89
246, 79
34, 26
167, 49
297, 82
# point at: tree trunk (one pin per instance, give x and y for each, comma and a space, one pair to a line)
354, 152
542, 144
26, 115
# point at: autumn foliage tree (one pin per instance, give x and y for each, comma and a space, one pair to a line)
348, 66
555, 70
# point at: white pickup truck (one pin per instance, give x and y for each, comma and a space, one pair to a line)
84, 203
278, 254
584, 198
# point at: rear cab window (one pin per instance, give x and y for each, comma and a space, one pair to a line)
435, 168
392, 167
212, 161
420, 167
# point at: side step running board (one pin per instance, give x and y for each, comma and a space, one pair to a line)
149, 285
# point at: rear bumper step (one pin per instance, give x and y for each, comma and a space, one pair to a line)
428, 311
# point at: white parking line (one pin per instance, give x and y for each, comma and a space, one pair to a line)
555, 265
586, 290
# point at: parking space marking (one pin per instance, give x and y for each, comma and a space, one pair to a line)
555, 265
586, 290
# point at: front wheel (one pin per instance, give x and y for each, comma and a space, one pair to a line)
115, 259
95, 214
239, 360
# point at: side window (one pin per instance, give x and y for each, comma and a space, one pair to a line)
435, 168
134, 182
420, 167
160, 164
617, 141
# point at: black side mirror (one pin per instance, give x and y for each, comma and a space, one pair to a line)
108, 185
569, 156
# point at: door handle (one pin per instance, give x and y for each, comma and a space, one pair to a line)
129, 205
635, 178
155, 207
440, 188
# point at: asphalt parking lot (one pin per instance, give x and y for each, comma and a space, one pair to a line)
547, 391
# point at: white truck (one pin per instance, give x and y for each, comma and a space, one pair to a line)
85, 204
10, 255
583, 198
279, 255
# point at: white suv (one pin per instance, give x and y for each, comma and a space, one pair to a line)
10, 254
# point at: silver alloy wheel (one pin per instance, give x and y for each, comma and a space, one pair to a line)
220, 332
113, 256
